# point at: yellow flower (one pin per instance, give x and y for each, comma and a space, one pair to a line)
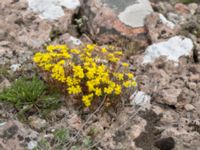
127, 84
96, 81
87, 99
37, 57
74, 89
101, 69
86, 64
69, 81
134, 83
78, 71
105, 77
94, 70
112, 58
130, 76
58, 73
47, 67
90, 46
50, 48
111, 47
98, 92
88, 54
62, 47
88, 59
118, 53
104, 50
90, 85
111, 84
119, 76
61, 62
42, 58
91, 72
75, 51
118, 89
125, 64
108, 90
66, 55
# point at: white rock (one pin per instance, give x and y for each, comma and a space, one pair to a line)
32, 145
15, 67
135, 14
2, 124
167, 22
70, 4
139, 98
74, 40
52, 9
172, 49
189, 107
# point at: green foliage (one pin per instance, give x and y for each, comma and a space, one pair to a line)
87, 141
60, 139
30, 96
188, 1
4, 73
55, 33
43, 145
61, 135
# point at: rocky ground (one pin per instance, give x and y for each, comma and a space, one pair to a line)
164, 55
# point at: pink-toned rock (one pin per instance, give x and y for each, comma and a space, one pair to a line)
37, 123
194, 78
24, 26
184, 140
13, 135
36, 38
159, 28
181, 8
104, 22
169, 96
75, 122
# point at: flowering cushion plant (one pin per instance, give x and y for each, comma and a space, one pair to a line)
90, 71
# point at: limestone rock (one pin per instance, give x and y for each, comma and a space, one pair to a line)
140, 98
140, 8
181, 8
15, 67
32, 145
172, 49
52, 9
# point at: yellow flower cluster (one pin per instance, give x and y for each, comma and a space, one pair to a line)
90, 71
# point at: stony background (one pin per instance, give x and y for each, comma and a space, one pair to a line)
165, 116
